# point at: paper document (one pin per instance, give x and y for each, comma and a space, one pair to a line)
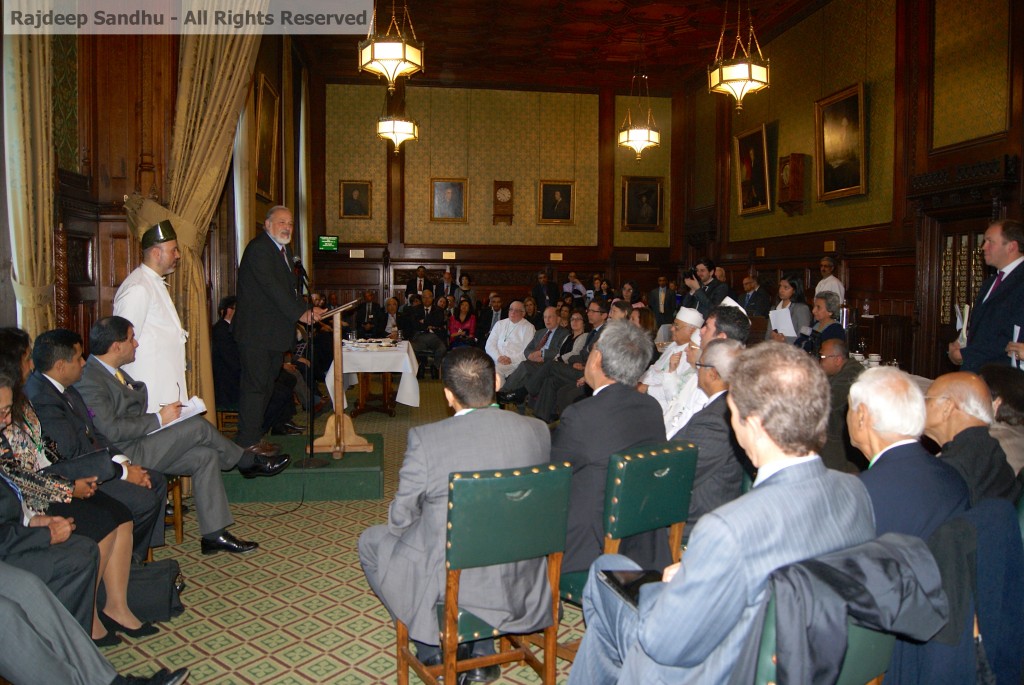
966, 321
193, 407
1015, 359
782, 322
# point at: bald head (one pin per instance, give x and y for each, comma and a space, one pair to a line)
955, 402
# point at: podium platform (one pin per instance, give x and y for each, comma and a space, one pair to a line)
356, 476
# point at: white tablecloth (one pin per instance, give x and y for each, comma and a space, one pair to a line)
400, 359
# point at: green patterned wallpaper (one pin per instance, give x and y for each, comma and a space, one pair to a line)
837, 46
354, 153
64, 95
489, 135
971, 81
653, 162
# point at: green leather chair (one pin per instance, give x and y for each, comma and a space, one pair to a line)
647, 488
868, 653
496, 517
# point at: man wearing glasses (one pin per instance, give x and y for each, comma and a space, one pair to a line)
842, 372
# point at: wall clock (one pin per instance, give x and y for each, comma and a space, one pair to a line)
503, 198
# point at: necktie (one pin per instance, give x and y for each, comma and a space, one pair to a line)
661, 300
284, 255
590, 339
120, 377
419, 285
544, 342
747, 301
995, 284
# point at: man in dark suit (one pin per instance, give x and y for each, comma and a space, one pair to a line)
429, 331
404, 559
46, 547
705, 291
911, 491
838, 452
720, 459
755, 300
269, 304
546, 294
370, 317
695, 625
446, 288
489, 317
662, 301
191, 447
65, 419
420, 283
1000, 302
617, 417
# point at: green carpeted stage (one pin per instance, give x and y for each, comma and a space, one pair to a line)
359, 475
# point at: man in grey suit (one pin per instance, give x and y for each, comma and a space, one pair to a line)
543, 348
720, 459
192, 447
693, 626
404, 559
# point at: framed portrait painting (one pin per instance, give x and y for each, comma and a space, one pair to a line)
448, 199
750, 150
355, 200
556, 202
642, 203
839, 159
266, 140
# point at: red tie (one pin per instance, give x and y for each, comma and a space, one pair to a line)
995, 284
545, 340
284, 254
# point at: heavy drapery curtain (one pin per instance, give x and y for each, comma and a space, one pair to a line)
214, 74
28, 136
305, 214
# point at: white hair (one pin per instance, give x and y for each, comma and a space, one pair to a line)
893, 399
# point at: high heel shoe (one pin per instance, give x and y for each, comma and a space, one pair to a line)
112, 626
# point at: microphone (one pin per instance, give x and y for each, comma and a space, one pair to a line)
297, 264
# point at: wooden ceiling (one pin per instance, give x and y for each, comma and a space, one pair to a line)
560, 44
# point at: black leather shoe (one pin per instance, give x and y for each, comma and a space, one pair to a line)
265, 466
169, 510
487, 674
295, 427
512, 396
108, 640
285, 430
112, 626
226, 542
267, 449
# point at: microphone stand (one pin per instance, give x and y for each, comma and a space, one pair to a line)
302, 283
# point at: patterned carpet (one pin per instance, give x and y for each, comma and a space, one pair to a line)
297, 611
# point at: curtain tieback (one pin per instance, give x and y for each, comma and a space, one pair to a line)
33, 296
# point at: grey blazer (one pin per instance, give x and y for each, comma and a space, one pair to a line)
558, 336
516, 596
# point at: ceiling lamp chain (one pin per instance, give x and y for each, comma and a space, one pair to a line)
643, 134
391, 55
743, 72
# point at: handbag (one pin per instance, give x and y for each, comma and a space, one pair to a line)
153, 594
96, 463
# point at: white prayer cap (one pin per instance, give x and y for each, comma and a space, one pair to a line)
729, 302
690, 316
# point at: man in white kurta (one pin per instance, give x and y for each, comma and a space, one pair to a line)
666, 376
144, 300
507, 341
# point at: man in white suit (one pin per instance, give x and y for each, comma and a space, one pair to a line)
404, 559
507, 340
693, 626
143, 299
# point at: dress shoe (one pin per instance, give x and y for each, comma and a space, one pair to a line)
161, 677
169, 510
265, 466
226, 542
267, 449
285, 430
295, 427
112, 626
487, 674
512, 396
108, 640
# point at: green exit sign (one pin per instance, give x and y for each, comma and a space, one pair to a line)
328, 243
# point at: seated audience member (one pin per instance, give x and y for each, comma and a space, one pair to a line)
227, 375
489, 317
65, 420
1007, 387
631, 294
704, 291
545, 294
615, 418
826, 327
430, 329
563, 316
405, 320
959, 411
533, 315
369, 321
43, 644
462, 325
791, 298
556, 386
404, 559
619, 311
446, 288
720, 459
528, 378
838, 453
575, 287
542, 348
911, 491
666, 376
722, 322
605, 293
695, 626
391, 318
192, 447
755, 300
508, 339
645, 319
97, 516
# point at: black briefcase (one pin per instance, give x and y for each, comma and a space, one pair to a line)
152, 591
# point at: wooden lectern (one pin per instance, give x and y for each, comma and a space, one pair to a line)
339, 435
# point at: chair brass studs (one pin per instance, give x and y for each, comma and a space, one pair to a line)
448, 544
615, 500
516, 472
450, 506
565, 464
495, 632
476, 475
451, 486
449, 525
618, 481
497, 474
456, 476
621, 465
534, 470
